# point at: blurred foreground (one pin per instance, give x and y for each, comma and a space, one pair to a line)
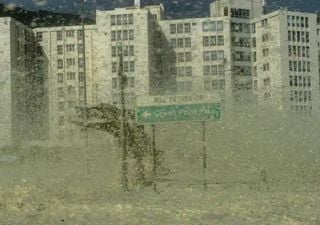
263, 168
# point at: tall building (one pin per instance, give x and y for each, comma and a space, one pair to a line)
240, 52
22, 109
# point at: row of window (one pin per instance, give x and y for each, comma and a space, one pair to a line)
300, 81
300, 96
298, 36
128, 66
126, 50
130, 82
297, 21
121, 19
68, 34
240, 13
240, 27
210, 26
70, 62
184, 57
183, 71
299, 66
213, 55
214, 85
242, 70
61, 108
180, 28
70, 90
241, 56
241, 42
213, 70
306, 109
70, 76
300, 51
69, 48
122, 35
180, 42
213, 40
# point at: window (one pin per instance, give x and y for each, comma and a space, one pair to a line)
114, 83
60, 92
60, 64
264, 22
130, 17
119, 35
113, 35
205, 41
187, 42
59, 36
80, 34
61, 121
71, 62
131, 50
205, 26
80, 48
131, 66
188, 71
213, 41
265, 37
113, 20
219, 25
119, 19
125, 35
71, 76
131, 35
81, 92
188, 57
173, 28
59, 49
81, 77
60, 77
124, 19
173, 43
61, 106
266, 81
180, 43
39, 36
187, 28
70, 33
266, 67
71, 104
220, 40
206, 56
180, 28
70, 48
265, 52
289, 35
71, 89
131, 82
180, 57
81, 62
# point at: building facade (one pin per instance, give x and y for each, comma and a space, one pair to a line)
240, 52
22, 109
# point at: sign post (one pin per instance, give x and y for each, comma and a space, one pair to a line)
179, 108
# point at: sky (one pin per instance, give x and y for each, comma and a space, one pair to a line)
174, 8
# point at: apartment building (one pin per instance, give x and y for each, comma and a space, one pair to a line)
286, 69
240, 52
21, 87
62, 53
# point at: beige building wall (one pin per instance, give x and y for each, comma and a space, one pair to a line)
16, 51
287, 62
62, 50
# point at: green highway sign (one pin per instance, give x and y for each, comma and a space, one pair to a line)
169, 109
